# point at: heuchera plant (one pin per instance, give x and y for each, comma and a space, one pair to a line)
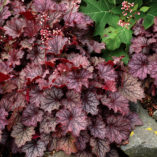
55, 93
143, 63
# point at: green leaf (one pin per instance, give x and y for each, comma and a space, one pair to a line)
111, 38
144, 9
120, 52
112, 2
148, 21
125, 35
101, 12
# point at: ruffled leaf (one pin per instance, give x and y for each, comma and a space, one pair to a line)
72, 99
34, 148
90, 102
131, 88
76, 79
51, 99
97, 128
67, 144
3, 120
106, 72
31, 116
118, 129
100, 147
116, 102
138, 66
48, 124
14, 27
82, 140
22, 134
73, 121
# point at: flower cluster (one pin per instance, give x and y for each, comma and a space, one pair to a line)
128, 13
55, 92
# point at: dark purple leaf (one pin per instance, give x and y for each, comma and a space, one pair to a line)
100, 147
22, 134
78, 78
56, 45
139, 44
82, 140
90, 102
72, 99
131, 88
33, 71
134, 119
36, 96
73, 121
138, 66
112, 153
118, 129
34, 148
79, 60
51, 99
116, 102
84, 154
14, 27
97, 128
43, 5
67, 144
48, 124
31, 116
106, 72
3, 120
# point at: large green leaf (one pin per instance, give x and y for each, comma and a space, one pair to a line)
113, 37
101, 12
149, 17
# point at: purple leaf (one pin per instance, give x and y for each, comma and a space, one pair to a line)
129, 84
116, 102
100, 147
33, 71
112, 153
94, 46
139, 44
67, 144
72, 99
5, 13
43, 5
134, 119
34, 148
77, 19
118, 129
73, 121
153, 69
48, 124
82, 140
37, 55
138, 66
3, 120
51, 99
56, 45
106, 72
22, 134
36, 96
84, 154
90, 102
14, 27
79, 60
76, 79
97, 128
31, 116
